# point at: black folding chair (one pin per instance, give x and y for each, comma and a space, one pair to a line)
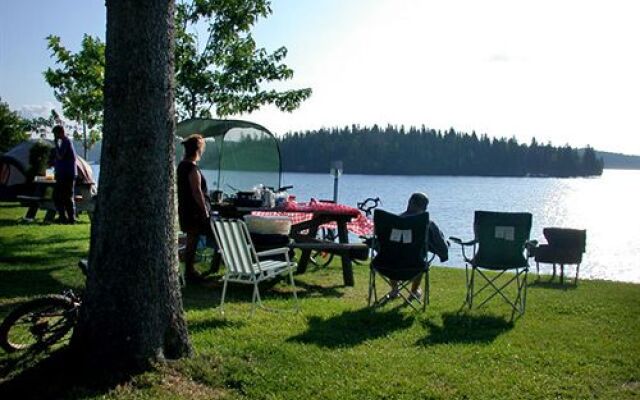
564, 246
501, 244
401, 256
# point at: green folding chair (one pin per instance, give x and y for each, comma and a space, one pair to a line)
400, 243
501, 245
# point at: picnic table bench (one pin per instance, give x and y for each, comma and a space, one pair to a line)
41, 199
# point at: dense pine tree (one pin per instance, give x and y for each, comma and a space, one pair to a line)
423, 151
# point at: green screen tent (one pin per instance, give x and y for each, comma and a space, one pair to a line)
242, 154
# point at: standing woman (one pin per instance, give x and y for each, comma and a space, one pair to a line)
194, 206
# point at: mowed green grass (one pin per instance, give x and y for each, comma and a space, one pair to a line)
579, 342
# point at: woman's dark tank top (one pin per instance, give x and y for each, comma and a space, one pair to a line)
189, 213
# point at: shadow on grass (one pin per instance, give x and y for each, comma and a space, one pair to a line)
465, 328
353, 327
24, 249
29, 282
53, 375
210, 324
207, 294
552, 284
312, 290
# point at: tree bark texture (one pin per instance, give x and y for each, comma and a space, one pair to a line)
132, 313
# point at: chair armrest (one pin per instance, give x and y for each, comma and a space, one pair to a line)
530, 246
273, 252
461, 243
462, 246
431, 258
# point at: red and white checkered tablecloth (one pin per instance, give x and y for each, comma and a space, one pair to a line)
301, 212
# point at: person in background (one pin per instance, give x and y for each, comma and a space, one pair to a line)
437, 245
65, 165
194, 206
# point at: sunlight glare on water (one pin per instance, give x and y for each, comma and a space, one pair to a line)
605, 206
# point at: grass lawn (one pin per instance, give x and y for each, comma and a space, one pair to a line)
579, 342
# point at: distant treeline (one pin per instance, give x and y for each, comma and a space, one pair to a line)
619, 161
422, 151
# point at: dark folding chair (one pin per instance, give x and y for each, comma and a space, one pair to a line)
501, 244
564, 246
400, 243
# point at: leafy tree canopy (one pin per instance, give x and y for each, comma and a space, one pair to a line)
78, 82
12, 128
228, 69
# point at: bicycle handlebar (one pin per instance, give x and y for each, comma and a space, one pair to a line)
369, 204
282, 189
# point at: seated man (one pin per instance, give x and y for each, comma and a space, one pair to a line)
437, 245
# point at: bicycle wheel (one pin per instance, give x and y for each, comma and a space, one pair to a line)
323, 258
38, 323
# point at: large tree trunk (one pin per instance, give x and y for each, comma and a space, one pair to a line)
132, 314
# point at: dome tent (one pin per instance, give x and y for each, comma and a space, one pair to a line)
14, 166
243, 154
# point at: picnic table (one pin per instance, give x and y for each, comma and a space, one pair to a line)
42, 199
307, 218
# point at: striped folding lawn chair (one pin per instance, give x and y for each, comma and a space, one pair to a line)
245, 265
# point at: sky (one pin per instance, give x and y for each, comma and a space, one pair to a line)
564, 71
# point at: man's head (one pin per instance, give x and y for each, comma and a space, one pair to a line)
194, 146
418, 203
58, 132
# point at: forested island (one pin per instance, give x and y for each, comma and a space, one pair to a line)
394, 150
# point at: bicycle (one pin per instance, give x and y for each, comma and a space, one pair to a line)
42, 322
323, 258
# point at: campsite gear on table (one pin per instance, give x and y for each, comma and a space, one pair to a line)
401, 256
247, 199
268, 225
216, 196
564, 246
268, 198
500, 245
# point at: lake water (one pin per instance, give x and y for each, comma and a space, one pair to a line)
605, 206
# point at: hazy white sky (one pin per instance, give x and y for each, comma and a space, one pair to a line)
562, 71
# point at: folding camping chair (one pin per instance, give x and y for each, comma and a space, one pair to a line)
501, 244
244, 264
401, 256
564, 246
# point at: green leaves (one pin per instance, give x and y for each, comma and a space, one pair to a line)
221, 71
12, 128
228, 71
79, 80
